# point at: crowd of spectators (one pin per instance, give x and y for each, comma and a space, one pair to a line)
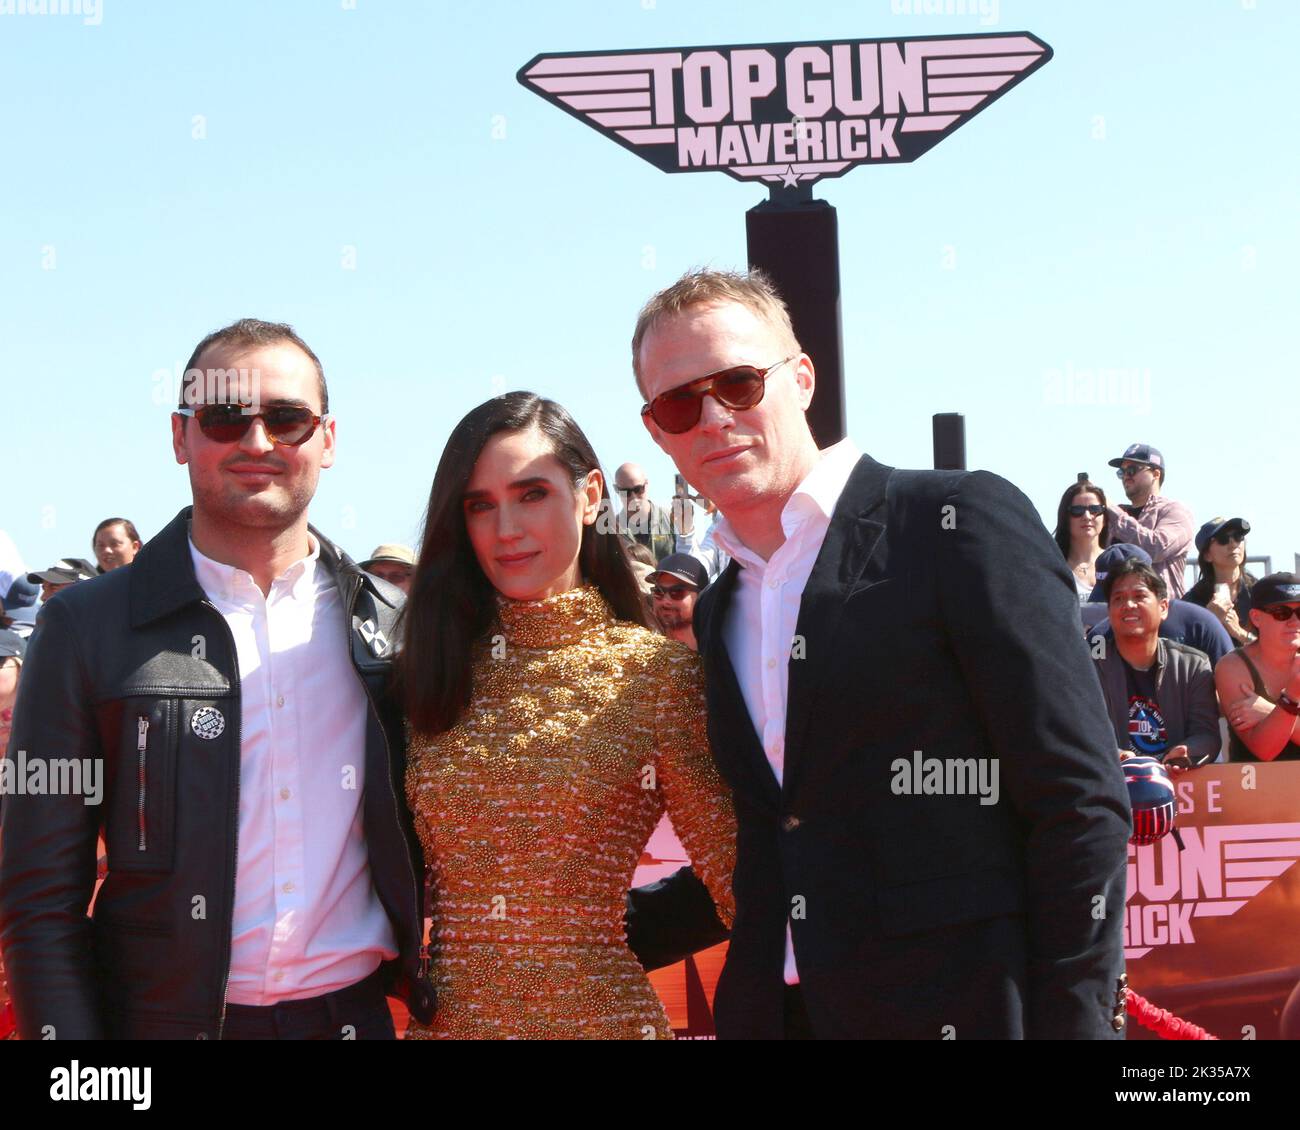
1172, 660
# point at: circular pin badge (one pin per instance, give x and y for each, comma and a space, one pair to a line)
208, 723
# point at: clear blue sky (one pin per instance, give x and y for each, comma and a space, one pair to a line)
1134, 205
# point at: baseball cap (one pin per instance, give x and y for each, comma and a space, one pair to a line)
680, 567
65, 571
1276, 588
22, 594
390, 551
1140, 453
1214, 526
1111, 558
11, 644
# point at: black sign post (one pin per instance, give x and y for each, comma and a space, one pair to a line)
786, 115
797, 245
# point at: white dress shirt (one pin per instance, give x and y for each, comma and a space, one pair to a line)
307, 919
764, 612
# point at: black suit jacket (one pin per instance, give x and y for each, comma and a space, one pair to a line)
939, 617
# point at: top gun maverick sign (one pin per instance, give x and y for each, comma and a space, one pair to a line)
786, 114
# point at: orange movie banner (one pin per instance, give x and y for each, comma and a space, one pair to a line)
1212, 932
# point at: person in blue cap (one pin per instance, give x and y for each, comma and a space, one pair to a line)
1224, 585
1157, 524
1186, 623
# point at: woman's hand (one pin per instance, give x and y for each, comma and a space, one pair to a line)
1221, 604
1248, 711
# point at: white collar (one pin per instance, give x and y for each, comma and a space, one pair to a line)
817, 495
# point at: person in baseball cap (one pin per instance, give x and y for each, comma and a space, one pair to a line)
1224, 586
676, 586
1259, 684
1157, 524
1186, 622
66, 571
394, 563
13, 649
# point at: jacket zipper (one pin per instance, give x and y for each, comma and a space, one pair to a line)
237, 722
141, 746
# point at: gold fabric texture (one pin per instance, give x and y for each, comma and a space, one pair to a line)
533, 811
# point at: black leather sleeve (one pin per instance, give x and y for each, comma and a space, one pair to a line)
671, 919
47, 844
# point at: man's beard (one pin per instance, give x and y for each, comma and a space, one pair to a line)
270, 509
673, 619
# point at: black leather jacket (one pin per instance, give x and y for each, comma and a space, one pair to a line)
142, 644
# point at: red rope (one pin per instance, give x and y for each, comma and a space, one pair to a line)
1161, 1021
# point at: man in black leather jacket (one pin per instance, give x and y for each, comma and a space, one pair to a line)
140, 672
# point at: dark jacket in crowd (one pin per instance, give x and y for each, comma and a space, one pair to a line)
1184, 683
153, 962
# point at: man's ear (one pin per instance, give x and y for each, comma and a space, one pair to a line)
178, 438
331, 440
805, 377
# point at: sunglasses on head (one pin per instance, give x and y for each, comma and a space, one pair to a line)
678, 410
1229, 535
288, 424
1282, 612
1096, 509
677, 592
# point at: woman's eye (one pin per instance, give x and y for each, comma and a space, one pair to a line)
534, 494
478, 506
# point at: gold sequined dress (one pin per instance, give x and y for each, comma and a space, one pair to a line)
533, 811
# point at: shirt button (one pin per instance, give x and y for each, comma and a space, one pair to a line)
278, 975
280, 701
287, 888
284, 794
771, 662
773, 583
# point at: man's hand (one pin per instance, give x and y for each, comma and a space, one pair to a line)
1177, 760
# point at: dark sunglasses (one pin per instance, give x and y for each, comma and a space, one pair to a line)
678, 410
287, 424
1283, 612
1229, 535
637, 490
677, 592
1131, 470
1096, 509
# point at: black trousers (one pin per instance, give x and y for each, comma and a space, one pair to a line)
358, 1012
797, 1024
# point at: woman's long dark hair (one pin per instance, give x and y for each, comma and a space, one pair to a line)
452, 603
1062, 531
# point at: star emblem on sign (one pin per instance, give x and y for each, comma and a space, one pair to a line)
790, 178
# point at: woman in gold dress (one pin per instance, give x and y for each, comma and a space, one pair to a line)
549, 731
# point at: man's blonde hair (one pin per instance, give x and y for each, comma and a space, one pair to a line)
701, 287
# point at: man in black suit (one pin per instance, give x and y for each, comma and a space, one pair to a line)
932, 820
